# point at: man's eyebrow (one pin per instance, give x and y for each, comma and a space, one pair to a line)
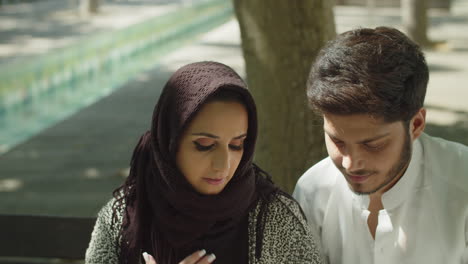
368, 140
332, 135
373, 138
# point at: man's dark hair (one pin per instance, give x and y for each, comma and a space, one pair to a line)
378, 71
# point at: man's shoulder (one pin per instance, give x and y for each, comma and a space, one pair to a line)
446, 161
445, 153
322, 175
314, 189
443, 144
315, 186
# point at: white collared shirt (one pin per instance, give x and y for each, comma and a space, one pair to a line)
425, 215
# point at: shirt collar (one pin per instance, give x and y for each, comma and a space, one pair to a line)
403, 188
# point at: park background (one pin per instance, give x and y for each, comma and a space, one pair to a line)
79, 80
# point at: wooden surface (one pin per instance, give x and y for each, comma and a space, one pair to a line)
44, 236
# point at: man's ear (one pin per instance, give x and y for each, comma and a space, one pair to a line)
417, 124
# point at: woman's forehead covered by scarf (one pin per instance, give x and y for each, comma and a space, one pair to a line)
185, 93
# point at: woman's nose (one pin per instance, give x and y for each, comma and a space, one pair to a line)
221, 160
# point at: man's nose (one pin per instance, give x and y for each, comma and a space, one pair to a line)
352, 160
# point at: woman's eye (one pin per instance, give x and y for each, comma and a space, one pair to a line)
236, 147
237, 144
201, 147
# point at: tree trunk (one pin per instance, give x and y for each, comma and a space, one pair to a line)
94, 6
414, 19
280, 40
88, 7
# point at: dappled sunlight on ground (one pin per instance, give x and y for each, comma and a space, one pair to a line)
27, 31
10, 185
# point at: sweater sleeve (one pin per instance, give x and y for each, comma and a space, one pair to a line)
102, 248
287, 237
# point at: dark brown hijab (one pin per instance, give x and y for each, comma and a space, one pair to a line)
164, 215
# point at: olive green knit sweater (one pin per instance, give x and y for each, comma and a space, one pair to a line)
286, 237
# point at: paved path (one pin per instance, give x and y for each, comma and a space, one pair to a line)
31, 29
72, 167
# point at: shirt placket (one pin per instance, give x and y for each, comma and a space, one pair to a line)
383, 239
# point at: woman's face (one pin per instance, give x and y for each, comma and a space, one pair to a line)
212, 146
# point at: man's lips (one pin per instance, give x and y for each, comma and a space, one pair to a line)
358, 178
214, 181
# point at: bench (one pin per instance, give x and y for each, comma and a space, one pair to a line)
27, 236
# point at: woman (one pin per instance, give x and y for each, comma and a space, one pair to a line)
193, 193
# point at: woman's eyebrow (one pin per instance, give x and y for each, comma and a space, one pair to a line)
216, 137
205, 134
241, 136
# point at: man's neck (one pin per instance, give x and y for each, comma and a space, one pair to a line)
375, 205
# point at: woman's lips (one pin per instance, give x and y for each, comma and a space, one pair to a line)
214, 181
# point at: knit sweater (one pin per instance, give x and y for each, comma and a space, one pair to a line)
286, 237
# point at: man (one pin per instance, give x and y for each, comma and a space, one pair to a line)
387, 193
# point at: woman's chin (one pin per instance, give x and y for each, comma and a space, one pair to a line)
210, 189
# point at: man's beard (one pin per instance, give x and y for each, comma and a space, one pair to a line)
397, 170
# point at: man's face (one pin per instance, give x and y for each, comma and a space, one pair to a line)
371, 154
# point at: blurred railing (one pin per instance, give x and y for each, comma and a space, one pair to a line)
444, 4
75, 76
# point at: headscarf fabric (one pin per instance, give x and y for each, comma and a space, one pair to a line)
163, 212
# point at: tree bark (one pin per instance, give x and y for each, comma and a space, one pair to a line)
94, 6
414, 19
280, 40
88, 7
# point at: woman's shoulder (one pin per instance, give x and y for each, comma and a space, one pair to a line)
286, 236
104, 238
286, 202
280, 214
109, 218
107, 212
283, 208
